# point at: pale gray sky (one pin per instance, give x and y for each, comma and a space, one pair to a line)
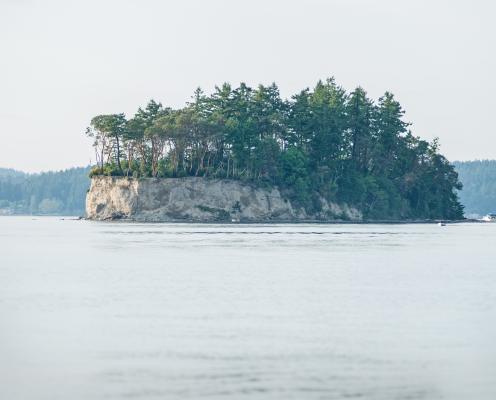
62, 62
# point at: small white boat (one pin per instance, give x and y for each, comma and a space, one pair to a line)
441, 224
489, 218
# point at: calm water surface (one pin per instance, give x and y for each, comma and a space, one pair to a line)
159, 311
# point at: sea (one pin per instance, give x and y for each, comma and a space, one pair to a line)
116, 310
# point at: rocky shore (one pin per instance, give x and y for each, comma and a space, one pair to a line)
195, 199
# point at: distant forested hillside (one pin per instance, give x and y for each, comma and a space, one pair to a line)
48, 193
479, 186
8, 173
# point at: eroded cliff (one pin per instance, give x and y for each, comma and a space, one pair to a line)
198, 200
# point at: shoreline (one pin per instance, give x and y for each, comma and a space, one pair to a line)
291, 222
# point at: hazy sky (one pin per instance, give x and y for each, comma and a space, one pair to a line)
62, 62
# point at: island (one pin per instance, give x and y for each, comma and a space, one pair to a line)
247, 155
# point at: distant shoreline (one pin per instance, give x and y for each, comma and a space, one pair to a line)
294, 222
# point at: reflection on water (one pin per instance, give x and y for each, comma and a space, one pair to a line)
163, 311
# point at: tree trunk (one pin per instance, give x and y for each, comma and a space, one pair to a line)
118, 153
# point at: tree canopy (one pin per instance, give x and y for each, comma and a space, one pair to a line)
320, 143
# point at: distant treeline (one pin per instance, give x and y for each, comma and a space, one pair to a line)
479, 186
48, 193
322, 142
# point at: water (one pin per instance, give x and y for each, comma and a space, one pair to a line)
159, 311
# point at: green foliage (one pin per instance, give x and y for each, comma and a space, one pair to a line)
112, 169
322, 143
220, 214
95, 171
294, 174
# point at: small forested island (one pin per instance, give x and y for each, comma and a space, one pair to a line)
248, 154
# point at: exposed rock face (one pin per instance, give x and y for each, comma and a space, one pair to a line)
198, 200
